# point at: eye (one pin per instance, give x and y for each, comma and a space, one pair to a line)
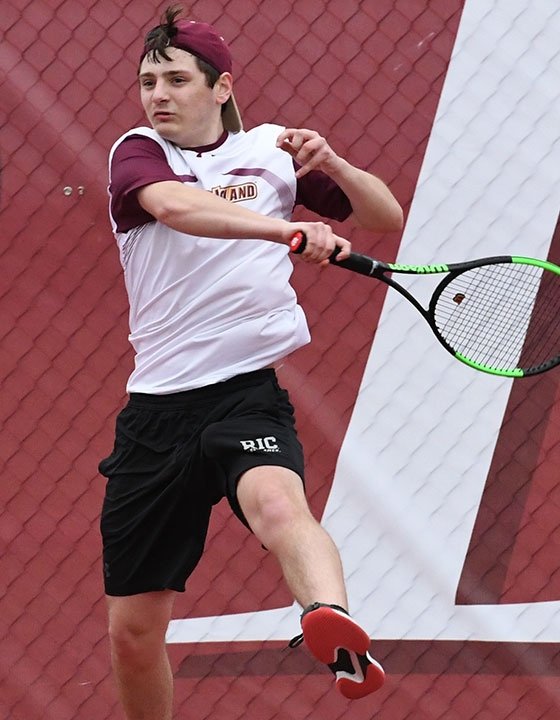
145, 83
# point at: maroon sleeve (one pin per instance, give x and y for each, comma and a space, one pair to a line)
318, 193
137, 161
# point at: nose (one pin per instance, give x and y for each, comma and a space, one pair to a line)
159, 93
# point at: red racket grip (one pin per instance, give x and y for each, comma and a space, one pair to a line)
298, 242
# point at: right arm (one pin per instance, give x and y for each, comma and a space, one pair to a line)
201, 213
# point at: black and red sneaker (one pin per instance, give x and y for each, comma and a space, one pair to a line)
338, 641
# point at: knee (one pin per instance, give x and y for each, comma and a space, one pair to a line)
273, 502
274, 513
135, 643
275, 509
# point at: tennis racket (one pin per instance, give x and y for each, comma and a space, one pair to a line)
499, 315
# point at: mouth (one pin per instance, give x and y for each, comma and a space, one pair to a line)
162, 115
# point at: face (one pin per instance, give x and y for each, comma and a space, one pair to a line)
178, 102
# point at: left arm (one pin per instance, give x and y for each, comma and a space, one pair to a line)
374, 207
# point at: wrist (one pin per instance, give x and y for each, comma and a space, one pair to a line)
336, 167
280, 231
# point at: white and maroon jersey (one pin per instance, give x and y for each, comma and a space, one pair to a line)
202, 309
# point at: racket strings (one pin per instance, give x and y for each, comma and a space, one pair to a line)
504, 311
471, 324
504, 316
501, 330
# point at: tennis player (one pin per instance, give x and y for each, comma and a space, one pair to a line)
201, 213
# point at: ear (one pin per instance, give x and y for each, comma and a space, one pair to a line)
223, 88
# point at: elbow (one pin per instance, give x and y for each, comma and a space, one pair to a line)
166, 214
170, 213
388, 219
167, 202
395, 218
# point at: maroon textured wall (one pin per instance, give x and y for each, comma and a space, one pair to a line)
359, 72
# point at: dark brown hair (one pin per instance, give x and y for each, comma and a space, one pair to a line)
160, 37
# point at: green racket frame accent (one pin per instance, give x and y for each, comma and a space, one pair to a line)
418, 269
544, 264
487, 369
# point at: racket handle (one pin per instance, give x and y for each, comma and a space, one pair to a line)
299, 241
356, 263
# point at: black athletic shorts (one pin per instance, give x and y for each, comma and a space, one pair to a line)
175, 456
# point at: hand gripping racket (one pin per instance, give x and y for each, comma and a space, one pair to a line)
500, 315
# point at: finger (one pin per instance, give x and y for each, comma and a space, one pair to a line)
307, 166
311, 156
286, 146
284, 141
296, 147
345, 248
320, 244
287, 133
326, 250
290, 132
309, 148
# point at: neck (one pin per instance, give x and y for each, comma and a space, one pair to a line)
209, 134
208, 146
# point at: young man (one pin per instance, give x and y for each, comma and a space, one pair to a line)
201, 213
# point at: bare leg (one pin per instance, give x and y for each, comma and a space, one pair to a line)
137, 626
275, 506
274, 503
